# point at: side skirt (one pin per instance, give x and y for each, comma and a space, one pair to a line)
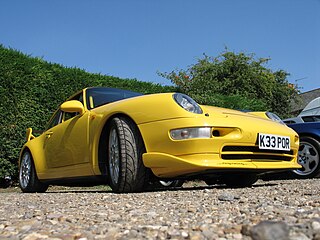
77, 181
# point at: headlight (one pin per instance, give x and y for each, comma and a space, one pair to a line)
187, 103
188, 133
274, 117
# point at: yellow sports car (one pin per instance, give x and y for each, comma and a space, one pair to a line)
133, 141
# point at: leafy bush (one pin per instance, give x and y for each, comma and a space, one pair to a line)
31, 89
236, 81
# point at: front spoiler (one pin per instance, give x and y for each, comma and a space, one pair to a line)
168, 166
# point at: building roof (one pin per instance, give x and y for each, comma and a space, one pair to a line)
306, 97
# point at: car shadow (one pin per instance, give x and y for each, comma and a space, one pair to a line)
199, 188
183, 188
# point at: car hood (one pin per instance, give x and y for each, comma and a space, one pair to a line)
233, 118
162, 107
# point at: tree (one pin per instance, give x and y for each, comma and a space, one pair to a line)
236, 80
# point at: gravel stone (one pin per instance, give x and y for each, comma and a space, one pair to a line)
285, 209
268, 230
315, 225
227, 197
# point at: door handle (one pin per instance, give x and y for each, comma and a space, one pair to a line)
48, 134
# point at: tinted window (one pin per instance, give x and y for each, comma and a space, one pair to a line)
100, 96
311, 119
67, 116
289, 122
55, 120
307, 119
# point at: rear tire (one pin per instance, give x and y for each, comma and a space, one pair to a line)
126, 172
28, 179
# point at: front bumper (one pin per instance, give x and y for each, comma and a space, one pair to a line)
234, 148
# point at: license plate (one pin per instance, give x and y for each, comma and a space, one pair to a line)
275, 142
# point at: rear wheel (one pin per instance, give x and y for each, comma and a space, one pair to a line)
171, 184
163, 184
308, 158
239, 180
28, 179
126, 172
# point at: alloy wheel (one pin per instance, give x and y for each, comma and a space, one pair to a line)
308, 158
25, 170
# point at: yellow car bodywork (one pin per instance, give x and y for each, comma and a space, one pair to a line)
72, 147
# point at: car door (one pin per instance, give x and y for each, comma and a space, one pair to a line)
66, 142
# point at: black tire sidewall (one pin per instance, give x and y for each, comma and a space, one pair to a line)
133, 175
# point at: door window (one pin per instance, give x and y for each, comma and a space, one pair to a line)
55, 120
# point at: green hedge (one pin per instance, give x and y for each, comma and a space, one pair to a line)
31, 89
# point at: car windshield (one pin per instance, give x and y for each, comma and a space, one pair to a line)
99, 96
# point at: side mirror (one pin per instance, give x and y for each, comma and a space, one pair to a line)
72, 106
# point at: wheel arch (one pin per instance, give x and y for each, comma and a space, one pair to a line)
40, 166
312, 135
23, 150
35, 163
102, 144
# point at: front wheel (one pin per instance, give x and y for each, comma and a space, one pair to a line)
126, 172
28, 179
308, 158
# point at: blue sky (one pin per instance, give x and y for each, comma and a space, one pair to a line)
137, 38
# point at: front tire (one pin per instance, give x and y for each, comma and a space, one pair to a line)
28, 178
308, 158
126, 172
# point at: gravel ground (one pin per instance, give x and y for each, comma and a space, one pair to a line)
278, 209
